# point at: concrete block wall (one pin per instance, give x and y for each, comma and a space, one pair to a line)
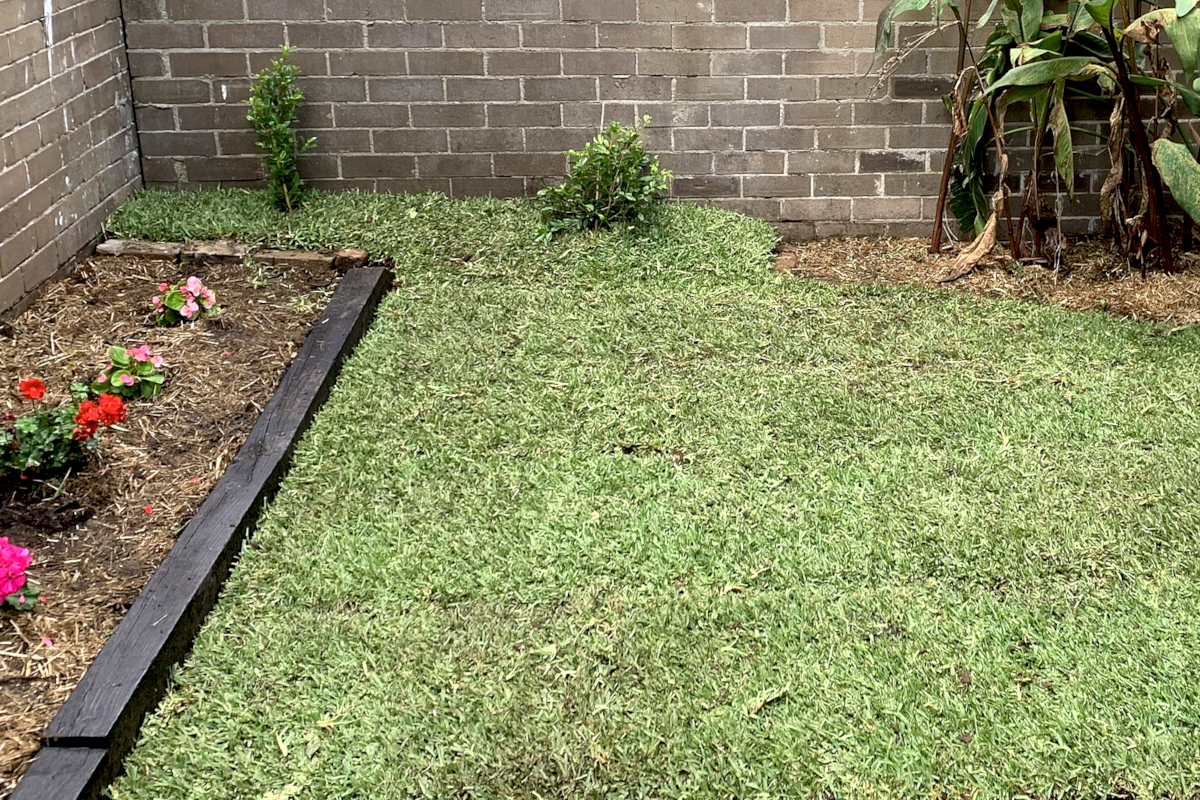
68, 149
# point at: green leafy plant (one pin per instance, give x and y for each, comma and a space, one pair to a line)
613, 182
132, 372
275, 114
46, 441
1042, 56
184, 302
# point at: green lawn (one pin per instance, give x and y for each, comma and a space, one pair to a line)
640, 519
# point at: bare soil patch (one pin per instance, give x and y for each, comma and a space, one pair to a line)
1095, 278
98, 536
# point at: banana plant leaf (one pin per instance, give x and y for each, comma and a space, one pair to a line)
1191, 98
1064, 147
1102, 11
1032, 12
897, 8
1181, 173
1044, 72
1182, 29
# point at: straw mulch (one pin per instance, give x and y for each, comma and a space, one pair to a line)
1094, 278
97, 543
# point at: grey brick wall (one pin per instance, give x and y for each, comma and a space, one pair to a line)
759, 105
67, 144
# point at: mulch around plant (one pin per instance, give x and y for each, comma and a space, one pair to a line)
1094, 277
98, 536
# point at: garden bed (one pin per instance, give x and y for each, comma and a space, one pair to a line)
1095, 278
101, 538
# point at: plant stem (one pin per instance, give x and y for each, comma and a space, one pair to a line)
1157, 224
935, 244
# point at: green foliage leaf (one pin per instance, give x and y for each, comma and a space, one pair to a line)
1031, 19
1181, 173
1044, 72
1183, 31
892, 12
987, 15
1064, 148
1101, 11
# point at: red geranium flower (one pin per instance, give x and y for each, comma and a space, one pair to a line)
87, 420
112, 409
33, 388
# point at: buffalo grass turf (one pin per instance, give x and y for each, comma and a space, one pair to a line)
633, 517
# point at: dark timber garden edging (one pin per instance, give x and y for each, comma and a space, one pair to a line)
85, 745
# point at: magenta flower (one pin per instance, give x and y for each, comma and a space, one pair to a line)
13, 563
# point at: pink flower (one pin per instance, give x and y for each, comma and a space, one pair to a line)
128, 380
139, 354
13, 563
102, 378
156, 362
162, 287
46, 640
156, 300
194, 286
189, 310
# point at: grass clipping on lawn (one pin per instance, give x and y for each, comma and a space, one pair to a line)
623, 518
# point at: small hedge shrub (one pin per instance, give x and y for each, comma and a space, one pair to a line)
275, 114
613, 183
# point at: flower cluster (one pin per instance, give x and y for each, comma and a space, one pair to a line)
108, 411
183, 302
131, 372
32, 388
50, 439
15, 589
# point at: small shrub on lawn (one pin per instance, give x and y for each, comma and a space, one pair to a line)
184, 302
612, 183
275, 114
132, 373
48, 440
15, 589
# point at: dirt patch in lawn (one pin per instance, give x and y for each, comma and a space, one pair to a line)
1095, 279
98, 536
